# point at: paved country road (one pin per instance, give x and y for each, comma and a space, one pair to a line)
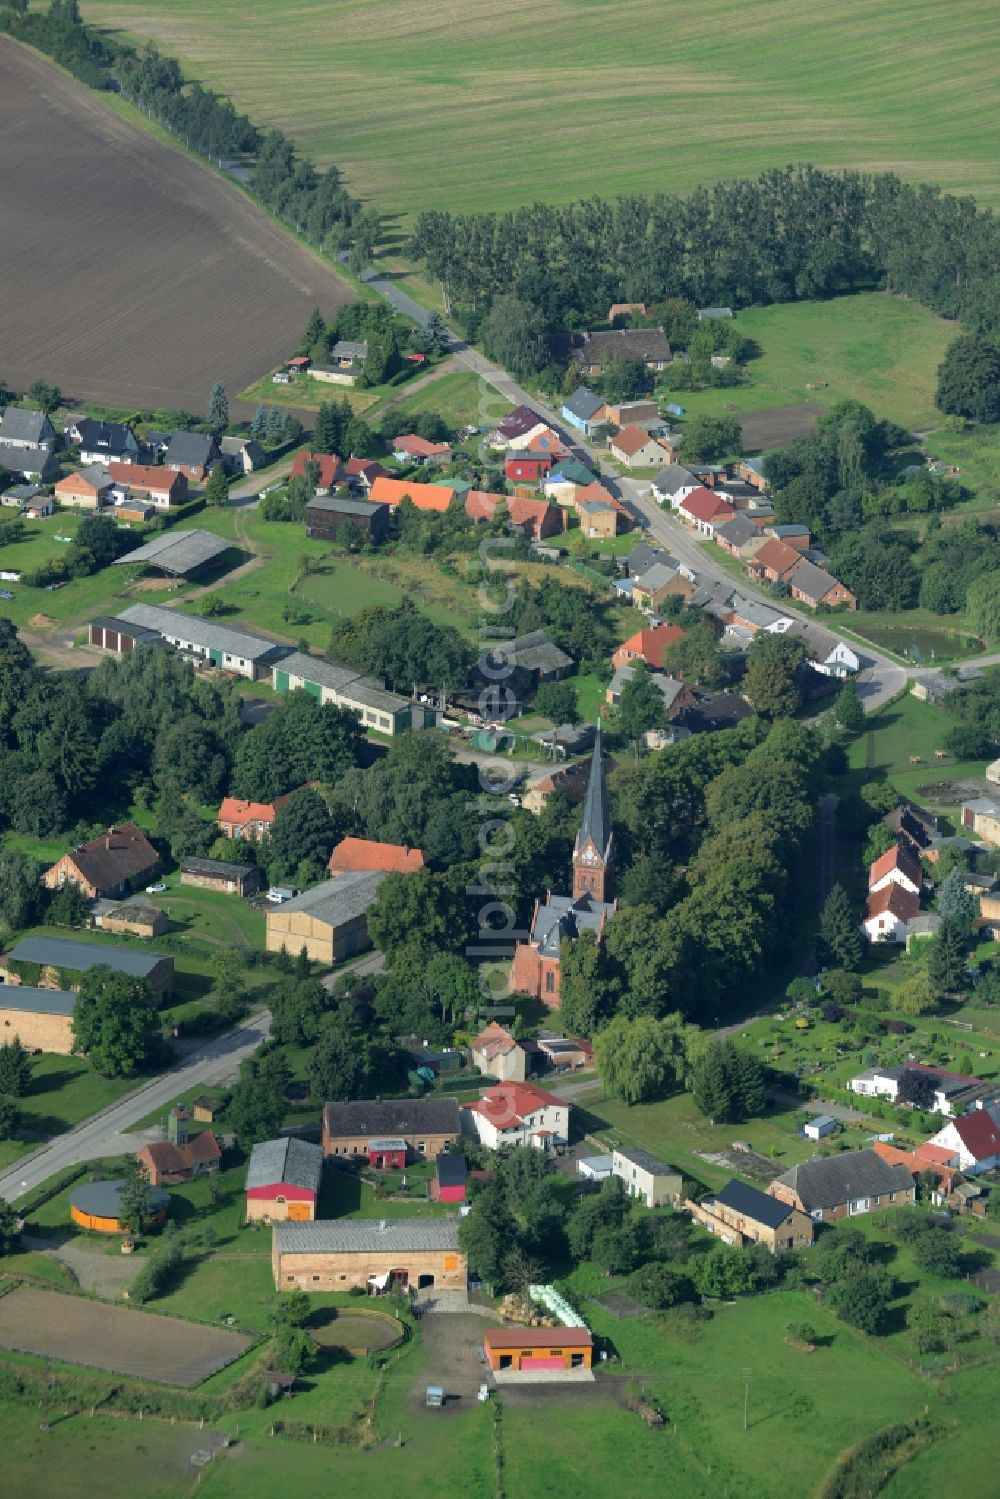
103, 1134
881, 679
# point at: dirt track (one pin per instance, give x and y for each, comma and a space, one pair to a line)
133, 275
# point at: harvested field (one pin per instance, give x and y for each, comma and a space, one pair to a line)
115, 1338
772, 429
133, 275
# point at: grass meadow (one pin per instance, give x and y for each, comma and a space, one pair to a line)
491, 105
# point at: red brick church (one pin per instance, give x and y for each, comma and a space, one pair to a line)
535, 969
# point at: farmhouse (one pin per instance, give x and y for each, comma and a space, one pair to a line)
645, 1176
85, 488
515, 424
327, 515
513, 1113
100, 441
331, 683
534, 518
58, 958
241, 455
328, 472
377, 1256
451, 1173
887, 912
220, 646
353, 854
25, 429
239, 819
742, 1215
975, 1138
431, 497
411, 448
705, 510
549, 1351
953, 1092
812, 586
221, 875
647, 645
192, 454
646, 346
329, 921
981, 816
42, 1019
109, 865
420, 1127
676, 694
844, 1185
181, 1156
497, 1054
635, 448
283, 1181
897, 866
750, 616
97, 1206
162, 488
774, 561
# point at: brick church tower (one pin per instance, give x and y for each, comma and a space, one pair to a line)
593, 852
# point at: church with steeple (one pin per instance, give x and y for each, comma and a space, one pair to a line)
535, 969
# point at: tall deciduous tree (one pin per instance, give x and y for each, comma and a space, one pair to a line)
969, 379
114, 1021
638, 1059
773, 663
217, 489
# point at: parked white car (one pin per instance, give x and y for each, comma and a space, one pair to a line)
278, 894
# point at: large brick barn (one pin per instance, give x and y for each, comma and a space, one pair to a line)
373, 1255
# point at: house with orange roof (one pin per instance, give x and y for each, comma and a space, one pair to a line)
364, 853
85, 488
163, 487
181, 1155
634, 447
497, 1054
704, 510
535, 517
943, 1163
622, 309
411, 448
240, 819
514, 1113
392, 492
774, 562
541, 438
897, 866
887, 912
331, 471
647, 645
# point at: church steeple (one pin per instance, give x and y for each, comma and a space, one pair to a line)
593, 852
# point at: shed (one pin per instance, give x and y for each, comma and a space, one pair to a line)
596, 1168
819, 1127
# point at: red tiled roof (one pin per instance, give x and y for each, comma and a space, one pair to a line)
702, 504
330, 467
597, 491
898, 858
145, 476
77, 483
419, 447
979, 1133
239, 812
365, 854
631, 440
510, 1103
425, 496
777, 556
649, 644
494, 1041
893, 898
354, 467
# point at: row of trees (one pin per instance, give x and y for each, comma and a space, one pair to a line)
782, 236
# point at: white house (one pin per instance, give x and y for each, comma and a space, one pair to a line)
897, 866
976, 1138
673, 484
646, 1177
953, 1091
517, 1114
887, 912
841, 662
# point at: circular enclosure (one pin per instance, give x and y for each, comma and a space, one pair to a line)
354, 1332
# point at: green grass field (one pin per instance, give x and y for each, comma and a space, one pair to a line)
901, 730
489, 106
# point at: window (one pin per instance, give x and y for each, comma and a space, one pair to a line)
550, 982
289, 1277
343, 1277
279, 1199
315, 1277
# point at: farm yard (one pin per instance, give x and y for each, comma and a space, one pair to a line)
711, 94
160, 277
120, 1339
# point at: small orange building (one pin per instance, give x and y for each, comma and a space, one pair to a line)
538, 1349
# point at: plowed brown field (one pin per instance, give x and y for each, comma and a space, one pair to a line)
131, 274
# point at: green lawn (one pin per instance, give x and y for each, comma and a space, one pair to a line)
461, 400
63, 1091
151, 1460
903, 729
476, 116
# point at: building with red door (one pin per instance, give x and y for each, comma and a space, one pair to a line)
283, 1181
450, 1177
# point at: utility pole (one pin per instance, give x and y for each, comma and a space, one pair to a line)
747, 1373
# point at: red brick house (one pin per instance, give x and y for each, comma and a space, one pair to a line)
180, 1156
774, 562
331, 471
841, 1186
110, 865
812, 586
239, 819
